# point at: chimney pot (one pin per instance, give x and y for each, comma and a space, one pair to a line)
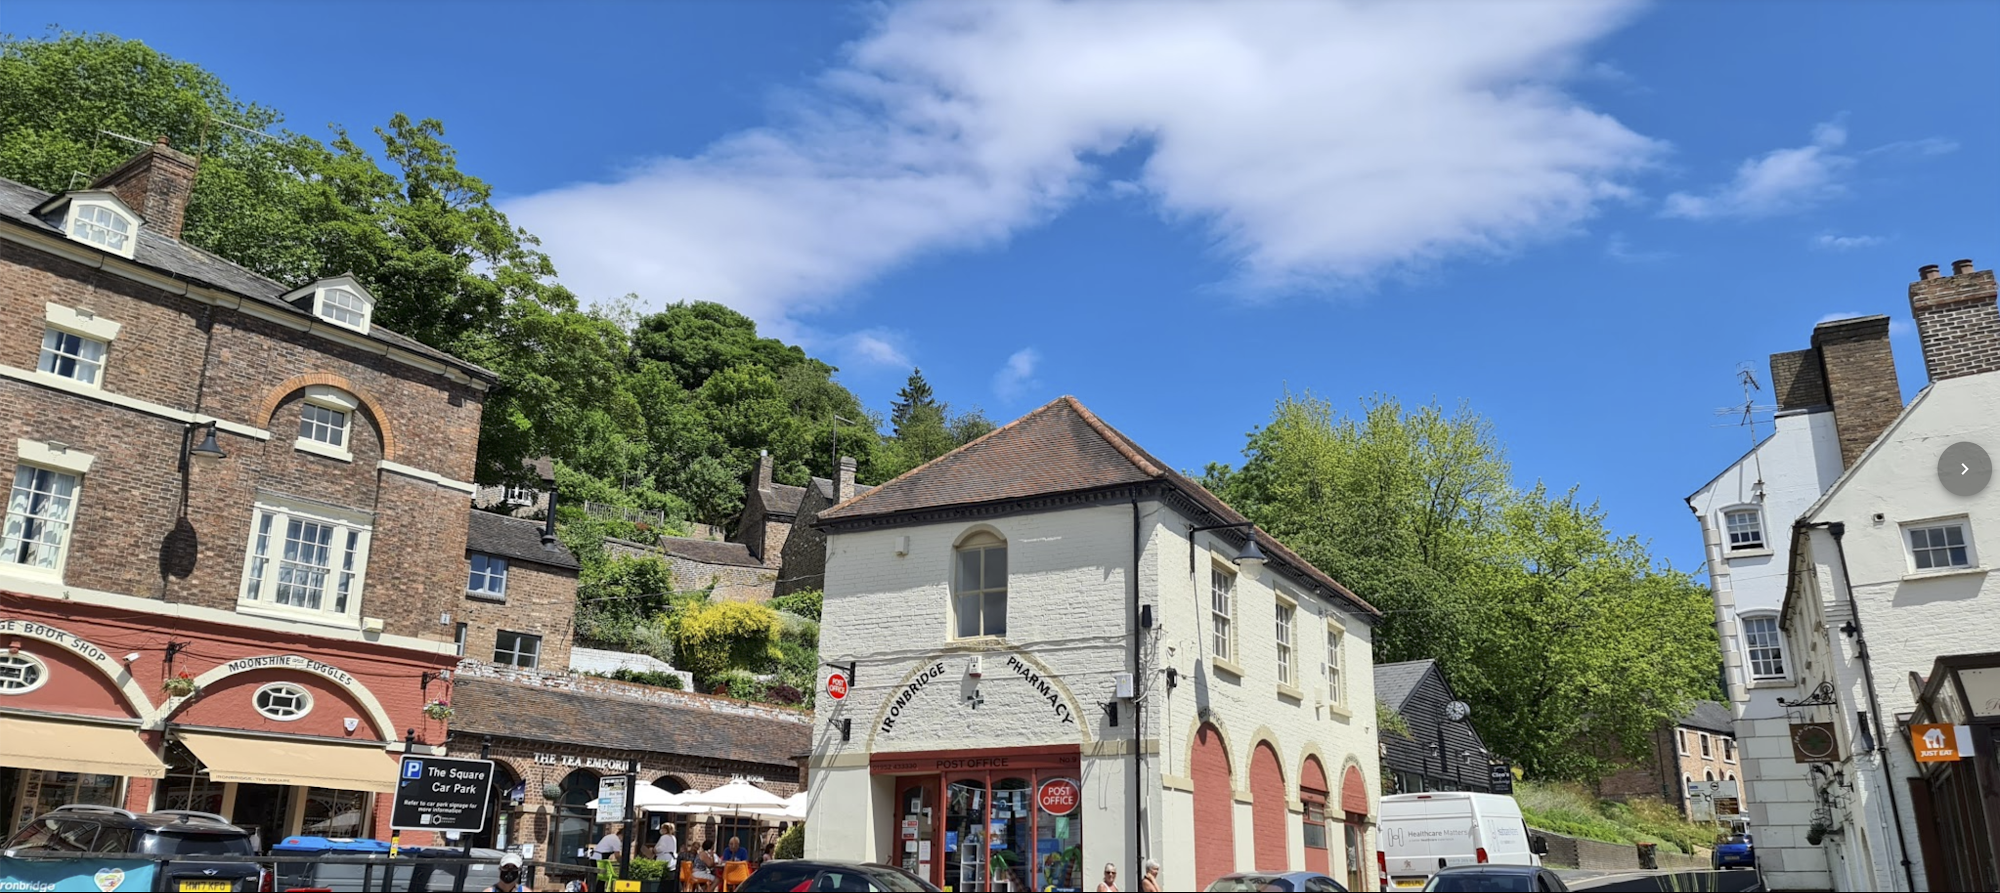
160, 140
157, 183
1961, 267
1927, 271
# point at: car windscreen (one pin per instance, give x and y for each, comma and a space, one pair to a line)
1482, 882
167, 843
1251, 883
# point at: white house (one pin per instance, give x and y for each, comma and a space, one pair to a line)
1889, 590
1061, 654
1839, 392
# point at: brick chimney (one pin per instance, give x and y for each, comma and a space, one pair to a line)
843, 485
156, 183
1957, 322
1860, 377
764, 468
1797, 380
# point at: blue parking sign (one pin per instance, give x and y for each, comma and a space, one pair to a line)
413, 769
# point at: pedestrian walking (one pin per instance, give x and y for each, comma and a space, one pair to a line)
510, 877
1150, 881
1110, 882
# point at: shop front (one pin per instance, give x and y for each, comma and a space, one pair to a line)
1955, 736
994, 819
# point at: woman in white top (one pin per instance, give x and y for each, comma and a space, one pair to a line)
668, 847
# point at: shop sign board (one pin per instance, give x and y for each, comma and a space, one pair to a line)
836, 686
1938, 743
1058, 796
442, 794
108, 875
611, 799
1501, 777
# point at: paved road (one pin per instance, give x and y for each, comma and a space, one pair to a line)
1662, 881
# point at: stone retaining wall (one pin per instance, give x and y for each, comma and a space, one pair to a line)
1597, 855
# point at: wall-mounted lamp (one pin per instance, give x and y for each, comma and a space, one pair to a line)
425, 679
1248, 558
207, 450
1173, 677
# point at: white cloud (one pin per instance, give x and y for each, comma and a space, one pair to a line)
1620, 249
1831, 242
1017, 375
1777, 182
1319, 143
872, 347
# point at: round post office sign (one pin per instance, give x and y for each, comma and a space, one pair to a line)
1059, 796
836, 686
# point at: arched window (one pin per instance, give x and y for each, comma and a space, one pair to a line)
103, 224
283, 701
979, 587
574, 816
672, 784
1708, 775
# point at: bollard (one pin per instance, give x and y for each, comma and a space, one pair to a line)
1647, 859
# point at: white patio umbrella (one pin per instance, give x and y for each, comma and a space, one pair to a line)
735, 798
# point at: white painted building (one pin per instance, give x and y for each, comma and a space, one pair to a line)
1889, 575
1746, 514
1056, 667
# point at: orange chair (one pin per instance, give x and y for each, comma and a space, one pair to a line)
734, 874
687, 874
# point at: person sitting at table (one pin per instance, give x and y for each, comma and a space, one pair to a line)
735, 852
704, 866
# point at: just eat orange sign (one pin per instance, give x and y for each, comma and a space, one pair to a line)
1934, 743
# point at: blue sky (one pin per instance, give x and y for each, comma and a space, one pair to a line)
1579, 218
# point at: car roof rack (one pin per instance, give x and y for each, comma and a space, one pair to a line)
87, 807
186, 814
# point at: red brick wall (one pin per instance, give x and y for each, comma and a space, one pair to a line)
540, 600
1957, 322
1267, 808
1214, 807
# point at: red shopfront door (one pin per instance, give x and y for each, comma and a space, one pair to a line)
999, 819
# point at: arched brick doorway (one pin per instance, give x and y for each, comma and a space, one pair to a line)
1267, 809
1214, 806
1354, 834
1313, 795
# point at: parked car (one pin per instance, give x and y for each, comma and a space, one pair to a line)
1276, 882
1735, 851
821, 874
1423, 833
183, 836
1495, 879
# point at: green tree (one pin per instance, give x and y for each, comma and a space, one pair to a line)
715, 638
914, 398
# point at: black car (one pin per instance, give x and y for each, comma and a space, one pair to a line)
819, 874
1496, 879
179, 835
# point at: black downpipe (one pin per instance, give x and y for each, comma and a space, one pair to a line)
1138, 707
1839, 530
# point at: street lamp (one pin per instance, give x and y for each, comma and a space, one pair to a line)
1249, 558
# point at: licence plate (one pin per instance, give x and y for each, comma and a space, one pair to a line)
1402, 884
207, 887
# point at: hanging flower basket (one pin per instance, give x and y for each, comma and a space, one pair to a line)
180, 685
439, 710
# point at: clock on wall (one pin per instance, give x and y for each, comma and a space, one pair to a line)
1964, 469
1457, 711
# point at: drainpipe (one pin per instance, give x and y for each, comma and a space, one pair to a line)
1138, 706
1839, 530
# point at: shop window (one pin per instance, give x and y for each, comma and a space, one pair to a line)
43, 791
979, 587
283, 701
1353, 836
20, 674
331, 813
186, 785
574, 816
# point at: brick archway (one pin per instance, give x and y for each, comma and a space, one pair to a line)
369, 404
1267, 809
1214, 807
1313, 794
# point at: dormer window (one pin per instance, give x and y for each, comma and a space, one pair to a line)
94, 217
339, 300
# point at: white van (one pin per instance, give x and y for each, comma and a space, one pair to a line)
1421, 833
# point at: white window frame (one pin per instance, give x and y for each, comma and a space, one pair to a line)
1729, 750
519, 495
473, 572
516, 650
330, 400
1960, 525
1336, 653
1707, 746
1222, 612
73, 220
51, 458
282, 510
1286, 634
981, 541
1774, 645
1729, 544
88, 356
460, 633
21, 659
1681, 737
325, 308
303, 694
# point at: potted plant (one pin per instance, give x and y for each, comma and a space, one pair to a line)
179, 685
439, 710
1821, 829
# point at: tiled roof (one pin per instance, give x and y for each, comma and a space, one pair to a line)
785, 499
1059, 448
688, 725
1394, 683
511, 537
1710, 716
708, 551
181, 261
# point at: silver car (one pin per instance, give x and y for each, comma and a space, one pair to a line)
1276, 882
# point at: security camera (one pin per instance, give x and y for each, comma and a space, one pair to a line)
134, 656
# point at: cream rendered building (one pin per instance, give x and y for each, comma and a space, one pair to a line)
1063, 654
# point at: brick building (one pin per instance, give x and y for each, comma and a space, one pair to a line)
1066, 654
519, 605
1695, 763
1418, 691
223, 478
